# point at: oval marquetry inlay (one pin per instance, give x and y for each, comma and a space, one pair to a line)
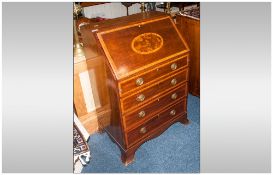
147, 43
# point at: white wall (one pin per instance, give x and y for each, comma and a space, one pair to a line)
110, 10
115, 10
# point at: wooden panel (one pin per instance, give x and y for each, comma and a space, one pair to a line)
100, 75
97, 65
102, 112
79, 102
143, 130
190, 28
93, 121
94, 66
88, 64
115, 128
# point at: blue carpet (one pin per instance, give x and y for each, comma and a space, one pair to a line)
175, 151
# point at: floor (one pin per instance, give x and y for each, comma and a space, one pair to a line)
177, 150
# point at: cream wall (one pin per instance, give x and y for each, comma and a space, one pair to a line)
114, 10
110, 10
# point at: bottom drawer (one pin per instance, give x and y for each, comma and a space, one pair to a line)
143, 131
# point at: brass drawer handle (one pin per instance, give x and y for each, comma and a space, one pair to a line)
174, 81
173, 112
141, 114
174, 96
139, 81
173, 66
143, 130
140, 98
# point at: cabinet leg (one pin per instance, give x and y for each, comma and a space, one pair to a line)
127, 157
184, 120
101, 130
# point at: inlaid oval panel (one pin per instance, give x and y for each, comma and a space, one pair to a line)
147, 43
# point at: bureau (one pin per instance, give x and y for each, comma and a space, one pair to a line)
146, 62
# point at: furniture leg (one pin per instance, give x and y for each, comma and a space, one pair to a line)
184, 120
127, 157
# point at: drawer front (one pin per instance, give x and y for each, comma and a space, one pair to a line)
143, 131
146, 112
151, 76
153, 92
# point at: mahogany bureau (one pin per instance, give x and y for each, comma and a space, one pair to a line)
147, 77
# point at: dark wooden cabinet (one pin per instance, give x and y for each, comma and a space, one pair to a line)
146, 62
189, 26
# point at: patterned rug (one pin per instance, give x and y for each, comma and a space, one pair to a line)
80, 146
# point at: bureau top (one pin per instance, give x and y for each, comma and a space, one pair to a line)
135, 42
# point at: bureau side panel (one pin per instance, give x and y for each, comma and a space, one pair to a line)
114, 129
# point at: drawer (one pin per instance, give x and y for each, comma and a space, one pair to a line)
147, 78
144, 130
154, 91
146, 112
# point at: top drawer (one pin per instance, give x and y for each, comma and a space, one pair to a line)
149, 77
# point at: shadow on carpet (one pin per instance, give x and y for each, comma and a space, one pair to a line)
174, 151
